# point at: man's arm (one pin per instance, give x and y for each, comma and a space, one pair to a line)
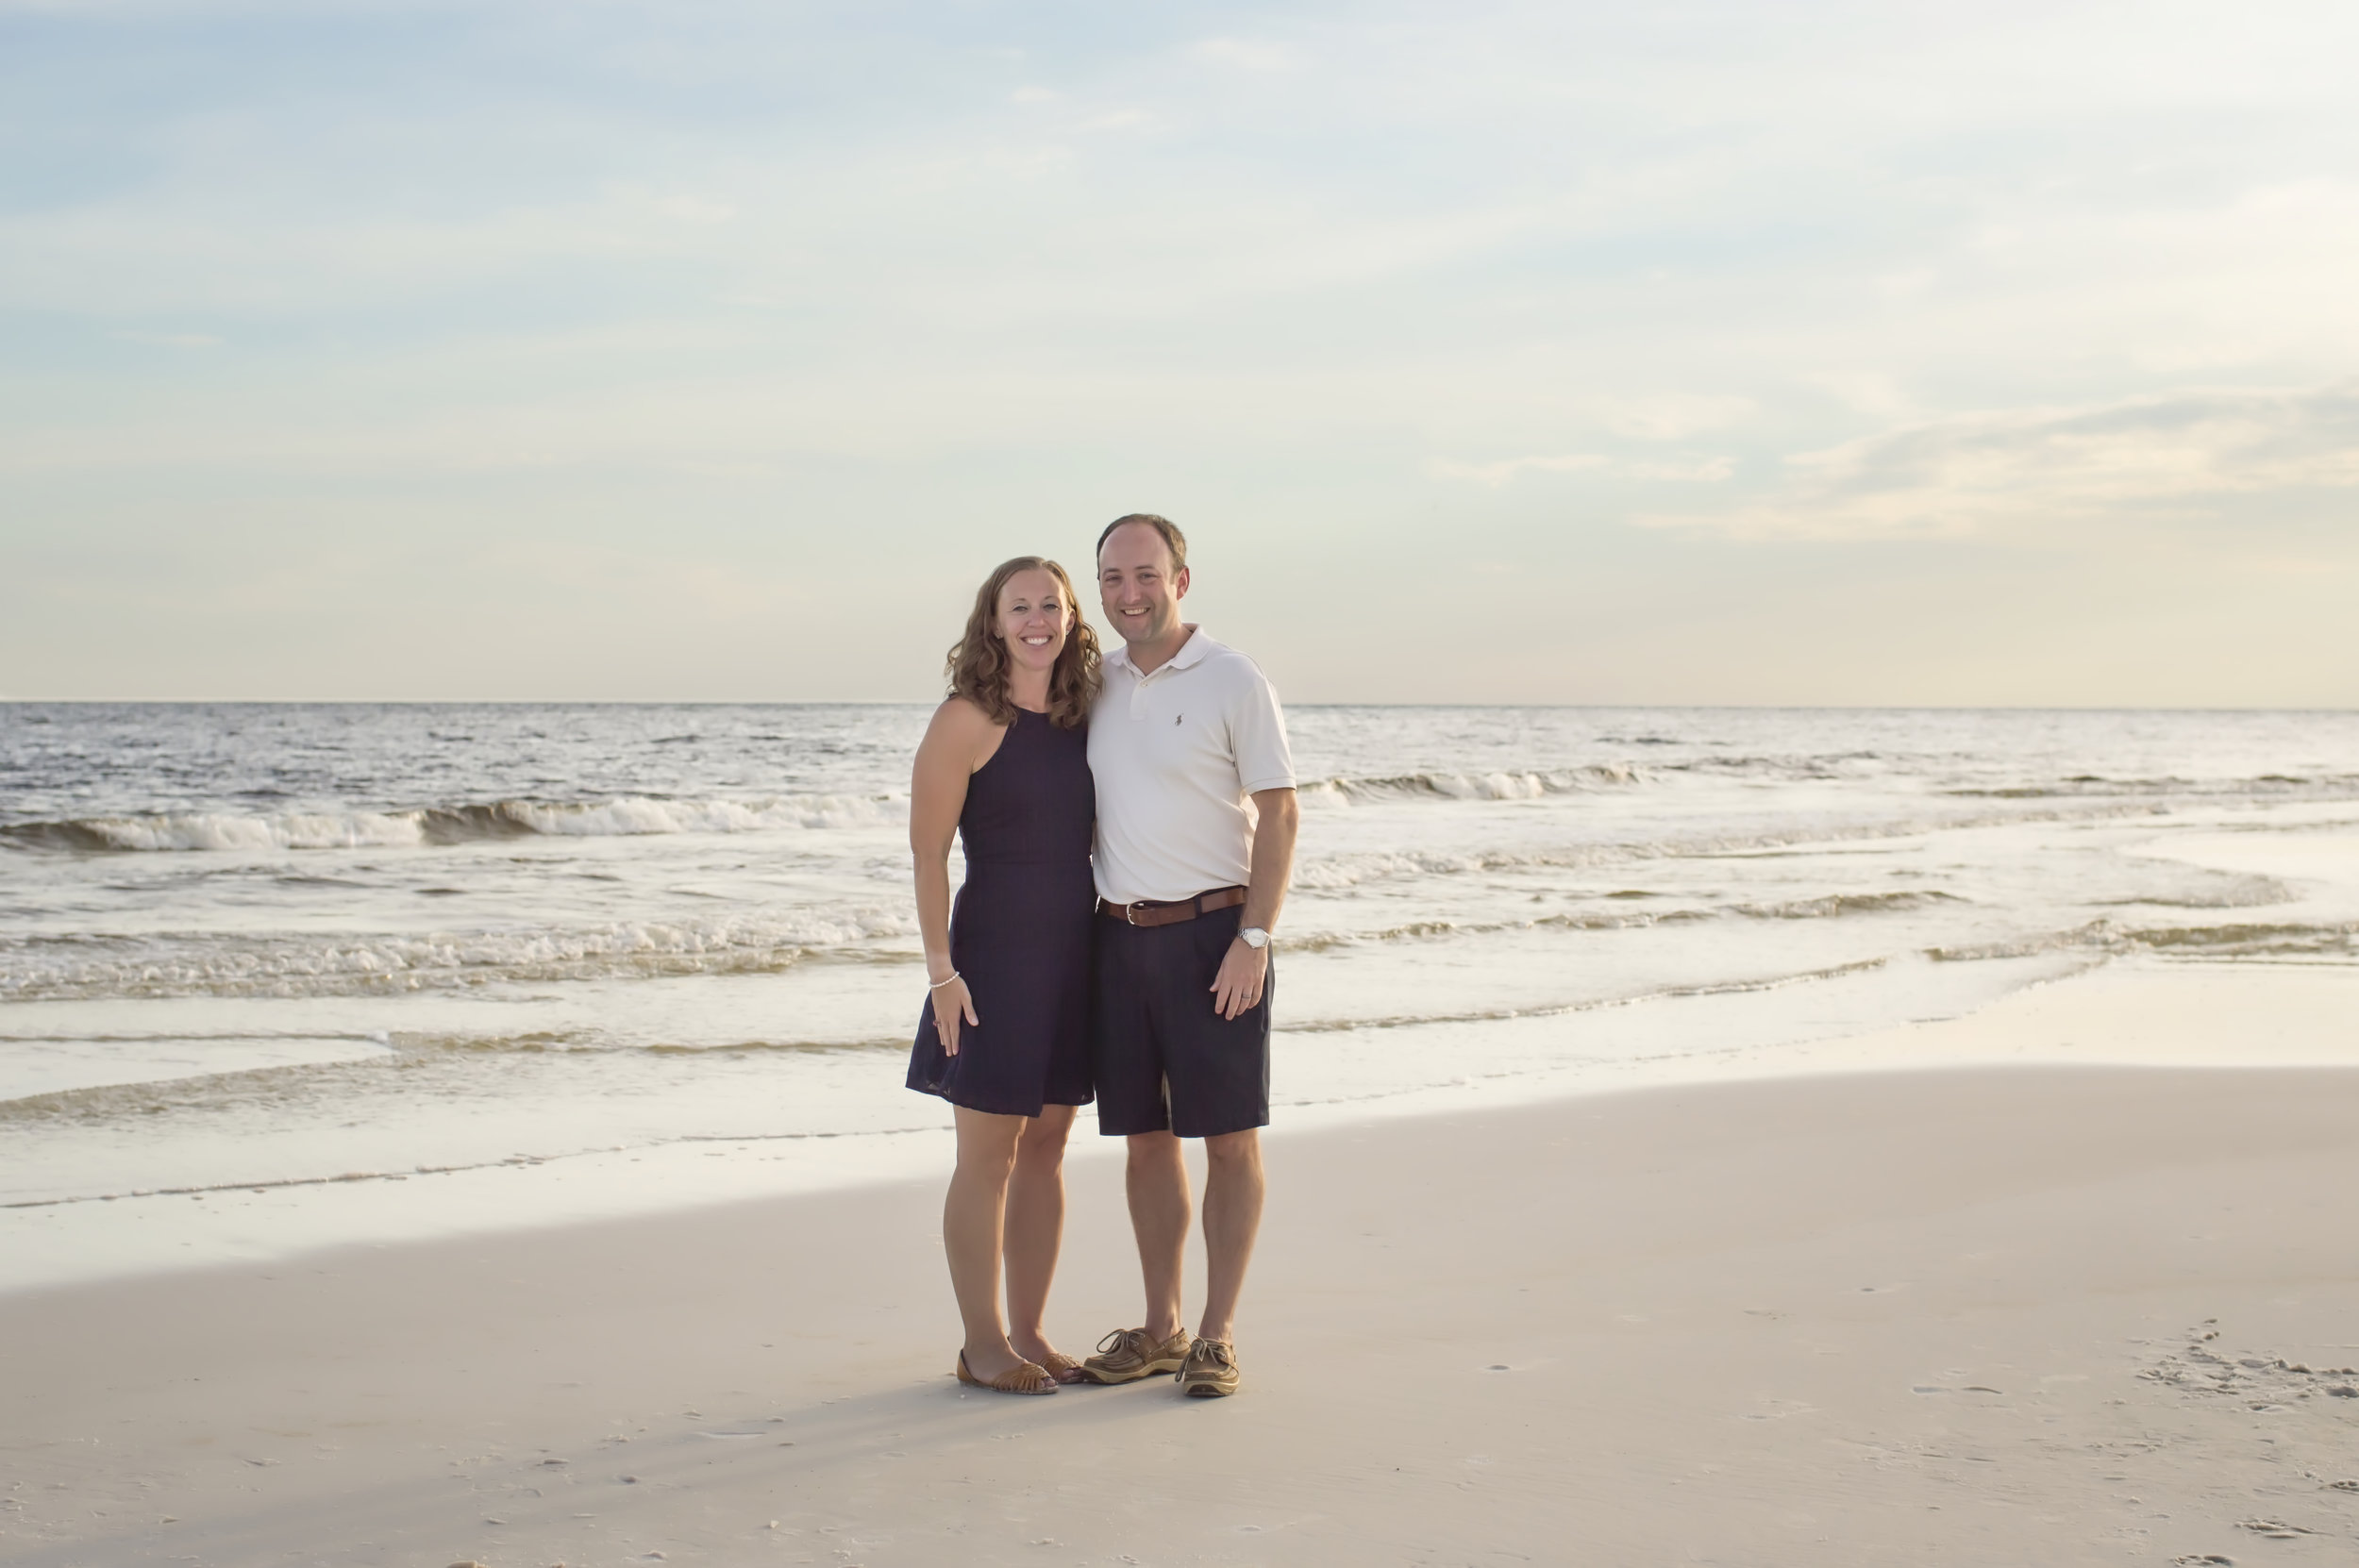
1237, 989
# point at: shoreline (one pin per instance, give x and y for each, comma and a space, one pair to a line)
1843, 1317
2131, 1012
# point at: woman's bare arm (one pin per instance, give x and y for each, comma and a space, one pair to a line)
954, 746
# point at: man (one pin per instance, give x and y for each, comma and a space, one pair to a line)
1189, 885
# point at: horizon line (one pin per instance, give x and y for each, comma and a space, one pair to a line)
1307, 703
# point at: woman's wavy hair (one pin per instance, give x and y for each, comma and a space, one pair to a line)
978, 665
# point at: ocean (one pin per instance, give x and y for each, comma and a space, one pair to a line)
277, 975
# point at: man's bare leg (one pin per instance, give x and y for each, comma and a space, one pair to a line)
1157, 1180
1232, 1217
1035, 1227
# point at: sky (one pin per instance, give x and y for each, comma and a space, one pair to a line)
1818, 353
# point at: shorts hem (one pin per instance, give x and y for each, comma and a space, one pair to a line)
1105, 1131
1223, 1132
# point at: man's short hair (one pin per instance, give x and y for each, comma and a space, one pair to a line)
1174, 541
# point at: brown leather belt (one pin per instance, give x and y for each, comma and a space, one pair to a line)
1146, 911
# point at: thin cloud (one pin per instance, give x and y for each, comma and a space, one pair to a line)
1710, 470
811, 264
695, 209
1675, 418
1242, 54
170, 339
1702, 471
1989, 473
1494, 474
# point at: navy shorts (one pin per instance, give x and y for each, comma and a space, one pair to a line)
1164, 1056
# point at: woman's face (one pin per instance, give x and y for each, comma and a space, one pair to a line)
1033, 619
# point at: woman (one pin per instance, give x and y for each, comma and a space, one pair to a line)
1005, 764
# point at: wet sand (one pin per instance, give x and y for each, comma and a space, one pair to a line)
2057, 1314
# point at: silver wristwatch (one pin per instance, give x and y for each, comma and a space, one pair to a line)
1253, 936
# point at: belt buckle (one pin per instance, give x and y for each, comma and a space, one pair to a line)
1130, 914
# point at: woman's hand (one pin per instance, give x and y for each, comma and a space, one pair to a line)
951, 1003
946, 758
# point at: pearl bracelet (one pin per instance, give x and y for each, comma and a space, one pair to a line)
939, 984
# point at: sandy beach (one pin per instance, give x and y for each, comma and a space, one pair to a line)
1702, 652
2054, 1314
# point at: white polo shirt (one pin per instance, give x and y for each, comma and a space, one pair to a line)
1176, 752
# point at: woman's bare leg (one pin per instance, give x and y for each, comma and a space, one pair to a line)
973, 1218
1035, 1227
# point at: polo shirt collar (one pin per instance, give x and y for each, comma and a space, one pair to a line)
1193, 652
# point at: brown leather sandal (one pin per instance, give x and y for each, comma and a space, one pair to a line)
1063, 1368
1026, 1379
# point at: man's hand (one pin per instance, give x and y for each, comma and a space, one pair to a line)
1237, 989
1244, 969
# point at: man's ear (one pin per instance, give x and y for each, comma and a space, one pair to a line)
1180, 584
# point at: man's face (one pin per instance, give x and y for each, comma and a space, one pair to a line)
1136, 586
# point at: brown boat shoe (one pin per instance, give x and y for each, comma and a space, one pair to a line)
1128, 1355
1211, 1369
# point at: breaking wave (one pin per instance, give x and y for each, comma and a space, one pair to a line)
63, 968
2326, 942
2223, 891
2267, 786
1468, 786
2251, 941
1833, 906
60, 968
434, 826
1335, 873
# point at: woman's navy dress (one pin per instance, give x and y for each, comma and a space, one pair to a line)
1020, 929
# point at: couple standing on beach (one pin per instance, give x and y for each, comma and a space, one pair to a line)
1128, 827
